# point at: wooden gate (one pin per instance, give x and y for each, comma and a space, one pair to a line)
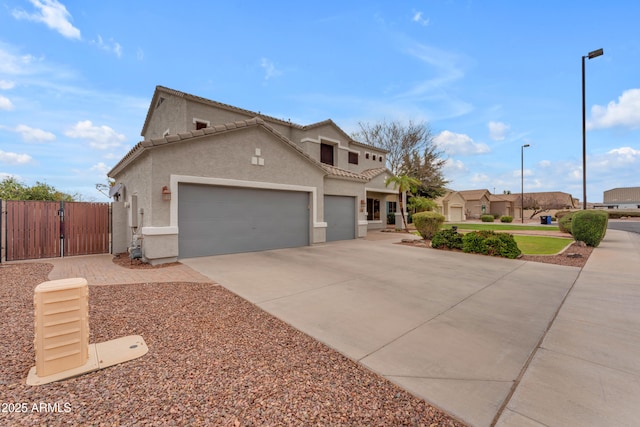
37, 229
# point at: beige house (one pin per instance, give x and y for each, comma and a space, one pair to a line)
452, 206
477, 203
480, 202
209, 178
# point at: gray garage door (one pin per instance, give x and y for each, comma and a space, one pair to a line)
340, 216
216, 220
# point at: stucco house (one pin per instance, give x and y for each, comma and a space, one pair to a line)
452, 206
209, 178
476, 202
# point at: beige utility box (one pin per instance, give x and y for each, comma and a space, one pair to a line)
61, 325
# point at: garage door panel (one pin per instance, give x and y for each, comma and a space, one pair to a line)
340, 216
216, 220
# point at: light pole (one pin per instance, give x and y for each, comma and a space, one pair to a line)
522, 181
590, 55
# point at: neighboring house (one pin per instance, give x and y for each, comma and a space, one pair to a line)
477, 203
452, 206
505, 205
480, 202
210, 178
546, 202
620, 198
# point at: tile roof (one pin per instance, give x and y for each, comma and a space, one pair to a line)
341, 173
141, 146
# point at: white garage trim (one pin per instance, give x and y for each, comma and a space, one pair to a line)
174, 180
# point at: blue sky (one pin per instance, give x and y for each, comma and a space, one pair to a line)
76, 80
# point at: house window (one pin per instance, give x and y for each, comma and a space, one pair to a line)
392, 207
353, 158
366, 156
326, 154
380, 159
373, 209
200, 125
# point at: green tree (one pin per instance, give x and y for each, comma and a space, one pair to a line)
410, 151
403, 183
12, 189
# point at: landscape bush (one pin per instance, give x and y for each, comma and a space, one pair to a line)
560, 214
448, 238
391, 218
491, 243
428, 223
506, 218
564, 222
487, 218
589, 226
496, 215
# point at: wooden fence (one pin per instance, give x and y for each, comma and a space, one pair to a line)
37, 229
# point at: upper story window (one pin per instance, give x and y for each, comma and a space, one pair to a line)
374, 157
200, 125
380, 159
366, 156
353, 158
326, 154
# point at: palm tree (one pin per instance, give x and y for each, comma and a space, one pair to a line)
403, 183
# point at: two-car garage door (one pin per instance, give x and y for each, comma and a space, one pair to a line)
214, 220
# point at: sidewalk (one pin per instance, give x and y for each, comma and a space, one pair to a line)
587, 370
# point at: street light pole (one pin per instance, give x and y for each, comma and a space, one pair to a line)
522, 182
590, 55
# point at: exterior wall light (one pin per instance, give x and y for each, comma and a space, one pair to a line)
166, 193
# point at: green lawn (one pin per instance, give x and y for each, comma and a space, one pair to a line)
499, 227
541, 245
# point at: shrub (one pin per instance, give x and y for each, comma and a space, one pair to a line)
560, 214
491, 243
487, 218
391, 218
589, 226
506, 218
474, 242
449, 238
496, 215
564, 222
428, 223
502, 244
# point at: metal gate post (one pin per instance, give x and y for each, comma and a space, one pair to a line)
61, 215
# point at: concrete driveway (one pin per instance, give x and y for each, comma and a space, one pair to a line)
455, 329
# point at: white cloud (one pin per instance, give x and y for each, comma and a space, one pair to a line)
53, 14
458, 143
480, 178
30, 134
6, 85
615, 159
417, 17
270, 69
5, 103
99, 137
544, 164
454, 166
14, 64
110, 46
100, 168
498, 130
626, 112
14, 158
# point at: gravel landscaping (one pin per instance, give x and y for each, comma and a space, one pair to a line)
214, 359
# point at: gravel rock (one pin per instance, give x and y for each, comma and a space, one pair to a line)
214, 359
